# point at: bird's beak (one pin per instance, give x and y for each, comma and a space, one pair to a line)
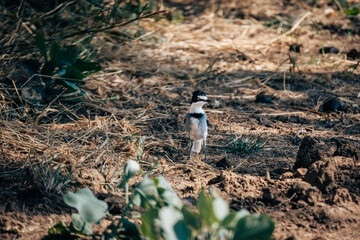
208, 100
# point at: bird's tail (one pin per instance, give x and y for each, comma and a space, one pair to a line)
196, 147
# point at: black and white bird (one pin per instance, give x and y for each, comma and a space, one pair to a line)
196, 122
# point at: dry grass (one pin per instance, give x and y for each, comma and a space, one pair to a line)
100, 144
145, 88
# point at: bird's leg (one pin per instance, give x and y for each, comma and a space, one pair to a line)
190, 150
204, 143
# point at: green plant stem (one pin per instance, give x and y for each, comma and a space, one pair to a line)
127, 206
127, 193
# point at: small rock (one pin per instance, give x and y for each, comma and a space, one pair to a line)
353, 54
333, 104
300, 172
223, 163
328, 50
286, 175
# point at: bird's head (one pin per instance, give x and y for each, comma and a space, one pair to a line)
198, 100
199, 96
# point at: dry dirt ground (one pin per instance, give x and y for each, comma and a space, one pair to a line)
307, 176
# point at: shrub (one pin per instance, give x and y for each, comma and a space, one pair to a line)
62, 67
166, 217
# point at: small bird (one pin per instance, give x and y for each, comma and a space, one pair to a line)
196, 122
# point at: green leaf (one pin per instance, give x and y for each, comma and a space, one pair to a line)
40, 43
205, 207
139, 155
68, 55
131, 168
48, 70
147, 226
61, 72
352, 11
91, 209
54, 51
146, 194
131, 230
76, 222
221, 208
254, 227
232, 219
71, 87
167, 194
224, 233
191, 218
73, 73
172, 224
80, 225
155, 192
59, 228
32, 66
87, 66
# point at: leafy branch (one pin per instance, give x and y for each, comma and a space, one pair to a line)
114, 25
164, 216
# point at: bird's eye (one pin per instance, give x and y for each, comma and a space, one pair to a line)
198, 99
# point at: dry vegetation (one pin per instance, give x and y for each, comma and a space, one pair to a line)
134, 108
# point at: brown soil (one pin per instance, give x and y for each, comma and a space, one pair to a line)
307, 178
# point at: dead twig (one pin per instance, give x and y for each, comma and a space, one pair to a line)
43, 113
114, 25
59, 8
287, 200
302, 108
17, 92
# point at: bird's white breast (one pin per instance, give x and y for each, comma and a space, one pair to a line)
196, 133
